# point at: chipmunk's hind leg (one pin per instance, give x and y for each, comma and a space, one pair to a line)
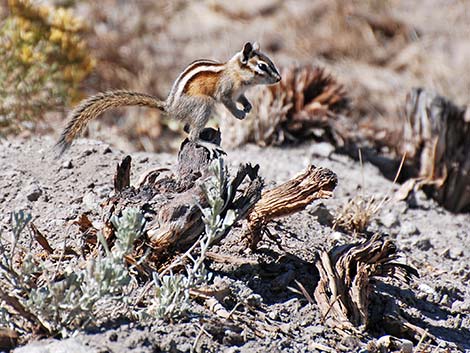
197, 136
201, 109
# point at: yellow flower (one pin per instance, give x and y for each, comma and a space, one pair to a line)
68, 74
43, 12
26, 55
27, 36
56, 35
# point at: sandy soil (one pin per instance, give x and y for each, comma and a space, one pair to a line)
429, 238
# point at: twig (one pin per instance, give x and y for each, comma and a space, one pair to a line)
230, 259
338, 297
15, 303
198, 337
322, 347
304, 292
40, 238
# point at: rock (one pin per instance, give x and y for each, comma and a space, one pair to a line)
90, 201
323, 215
56, 346
273, 315
389, 343
67, 164
338, 236
445, 300
88, 152
459, 306
426, 289
424, 244
418, 199
104, 191
254, 300
322, 149
409, 228
455, 252
389, 220
406, 346
33, 192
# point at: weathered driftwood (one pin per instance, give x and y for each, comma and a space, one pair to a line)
8, 339
171, 200
345, 280
290, 197
437, 140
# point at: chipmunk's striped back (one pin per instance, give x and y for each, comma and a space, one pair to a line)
194, 75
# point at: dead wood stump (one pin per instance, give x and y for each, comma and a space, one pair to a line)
171, 201
292, 196
346, 276
437, 139
8, 339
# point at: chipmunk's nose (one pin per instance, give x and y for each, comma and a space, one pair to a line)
278, 78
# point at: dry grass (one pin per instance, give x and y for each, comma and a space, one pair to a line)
302, 106
356, 215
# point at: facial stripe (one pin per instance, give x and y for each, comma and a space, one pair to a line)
268, 62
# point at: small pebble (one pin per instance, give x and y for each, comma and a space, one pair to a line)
33, 192
389, 220
67, 164
424, 244
409, 228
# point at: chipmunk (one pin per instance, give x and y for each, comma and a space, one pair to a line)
192, 97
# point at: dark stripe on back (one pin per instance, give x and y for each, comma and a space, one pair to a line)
195, 64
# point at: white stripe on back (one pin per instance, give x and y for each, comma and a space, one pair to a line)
189, 72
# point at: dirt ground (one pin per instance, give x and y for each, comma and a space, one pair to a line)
428, 237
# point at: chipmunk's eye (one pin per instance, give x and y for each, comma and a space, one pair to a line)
263, 67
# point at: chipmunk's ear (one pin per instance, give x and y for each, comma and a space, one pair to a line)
255, 46
246, 52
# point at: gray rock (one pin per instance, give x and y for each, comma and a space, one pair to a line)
323, 215
33, 192
104, 191
91, 201
455, 252
424, 244
67, 164
56, 346
409, 228
254, 300
389, 220
322, 149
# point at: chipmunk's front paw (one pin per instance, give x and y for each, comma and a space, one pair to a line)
240, 114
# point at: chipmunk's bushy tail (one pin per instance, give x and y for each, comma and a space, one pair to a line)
92, 107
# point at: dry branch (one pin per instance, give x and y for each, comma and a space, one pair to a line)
8, 339
437, 139
346, 273
292, 196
